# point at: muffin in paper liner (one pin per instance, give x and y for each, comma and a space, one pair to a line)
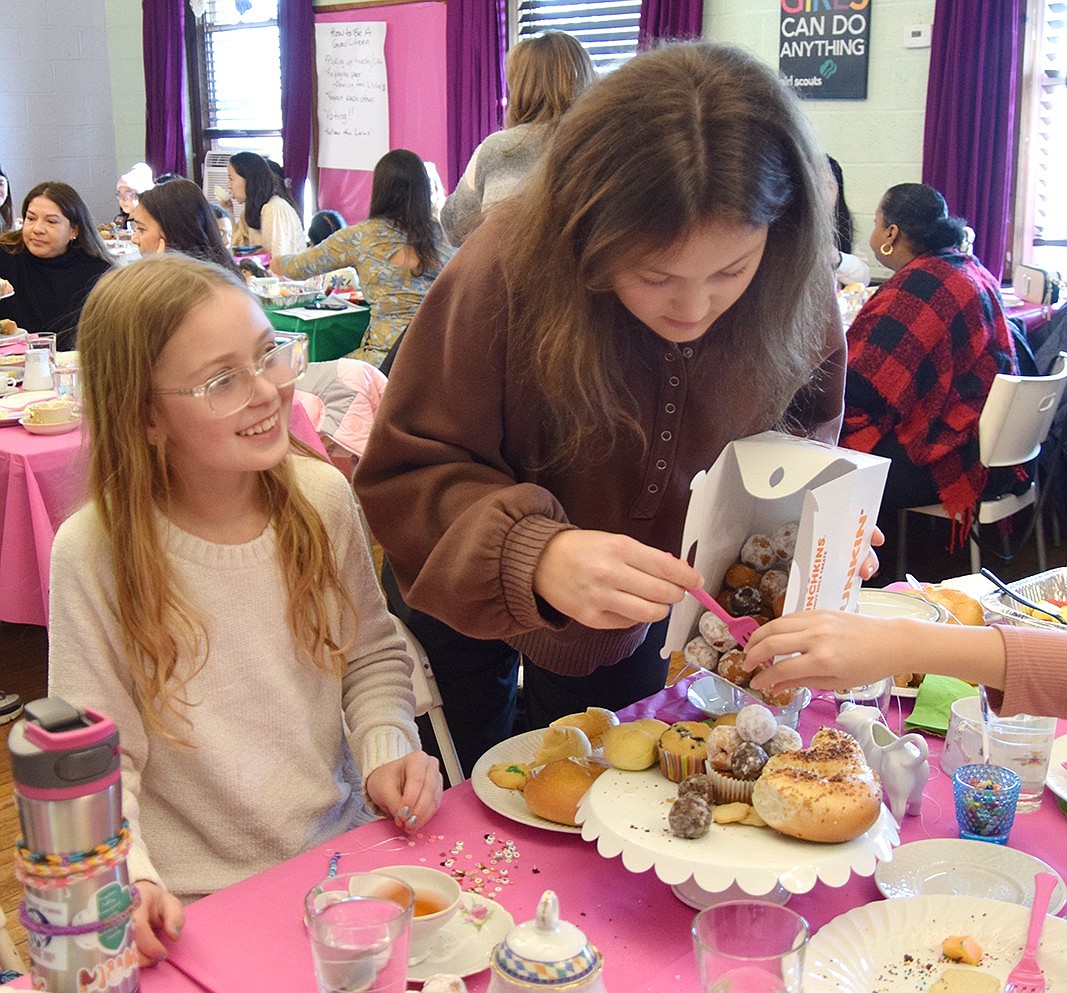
728, 788
677, 767
683, 749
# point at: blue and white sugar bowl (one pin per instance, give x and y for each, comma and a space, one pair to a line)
546, 954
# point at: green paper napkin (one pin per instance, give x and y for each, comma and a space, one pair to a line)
933, 705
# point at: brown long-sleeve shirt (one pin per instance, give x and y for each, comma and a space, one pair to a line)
447, 481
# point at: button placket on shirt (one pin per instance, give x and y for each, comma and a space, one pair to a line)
663, 440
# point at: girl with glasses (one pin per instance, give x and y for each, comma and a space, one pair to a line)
199, 599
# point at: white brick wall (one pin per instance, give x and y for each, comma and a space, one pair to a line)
878, 141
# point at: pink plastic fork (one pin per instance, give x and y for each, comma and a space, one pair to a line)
740, 627
1027, 976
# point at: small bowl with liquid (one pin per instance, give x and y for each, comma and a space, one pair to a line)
436, 900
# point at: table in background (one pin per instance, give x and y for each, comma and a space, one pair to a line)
42, 481
251, 935
332, 334
1033, 315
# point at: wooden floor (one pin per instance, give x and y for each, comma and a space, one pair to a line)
23, 667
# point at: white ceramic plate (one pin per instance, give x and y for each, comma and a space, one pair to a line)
1056, 780
957, 867
14, 405
62, 428
463, 946
894, 946
626, 814
510, 802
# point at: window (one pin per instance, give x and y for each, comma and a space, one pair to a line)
235, 68
606, 28
1041, 197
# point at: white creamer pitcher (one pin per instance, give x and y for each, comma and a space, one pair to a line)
38, 372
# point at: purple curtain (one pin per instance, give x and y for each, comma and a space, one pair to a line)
163, 38
669, 19
296, 31
475, 45
968, 143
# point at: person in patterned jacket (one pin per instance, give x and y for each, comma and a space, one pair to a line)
922, 354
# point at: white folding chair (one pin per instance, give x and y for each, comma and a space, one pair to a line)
1014, 423
427, 695
428, 702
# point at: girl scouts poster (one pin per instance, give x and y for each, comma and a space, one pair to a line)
823, 47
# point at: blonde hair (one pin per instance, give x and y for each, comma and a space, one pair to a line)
129, 317
545, 74
672, 140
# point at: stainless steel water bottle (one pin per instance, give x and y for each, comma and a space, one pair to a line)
71, 858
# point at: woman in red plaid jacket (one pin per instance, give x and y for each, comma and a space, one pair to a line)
922, 354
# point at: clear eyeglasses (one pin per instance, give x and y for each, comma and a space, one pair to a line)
231, 391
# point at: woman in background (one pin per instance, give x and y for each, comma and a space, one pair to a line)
129, 188
544, 76
922, 354
52, 262
398, 251
176, 216
323, 224
270, 219
850, 268
7, 210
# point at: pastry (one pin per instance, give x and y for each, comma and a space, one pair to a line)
690, 817
700, 654
594, 722
560, 743
632, 746
683, 747
557, 788
756, 723
758, 552
509, 775
714, 631
826, 793
700, 785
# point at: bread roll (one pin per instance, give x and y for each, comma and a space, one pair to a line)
963, 608
825, 793
561, 743
632, 746
594, 722
7, 326
555, 791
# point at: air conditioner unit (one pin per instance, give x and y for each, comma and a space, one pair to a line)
215, 173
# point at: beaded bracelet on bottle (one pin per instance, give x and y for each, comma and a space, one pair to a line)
43, 869
34, 925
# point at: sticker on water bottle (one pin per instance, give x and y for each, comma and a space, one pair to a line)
108, 901
45, 950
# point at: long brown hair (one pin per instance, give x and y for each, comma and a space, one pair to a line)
129, 316
73, 208
545, 74
673, 139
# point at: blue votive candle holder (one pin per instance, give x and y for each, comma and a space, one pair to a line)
986, 797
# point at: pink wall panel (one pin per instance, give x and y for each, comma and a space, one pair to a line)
415, 62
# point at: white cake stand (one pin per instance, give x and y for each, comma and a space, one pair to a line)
625, 813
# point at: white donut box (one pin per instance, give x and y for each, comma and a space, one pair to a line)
764, 481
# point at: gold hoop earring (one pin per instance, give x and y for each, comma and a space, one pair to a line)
885, 249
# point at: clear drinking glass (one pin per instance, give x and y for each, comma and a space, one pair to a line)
359, 925
749, 946
875, 694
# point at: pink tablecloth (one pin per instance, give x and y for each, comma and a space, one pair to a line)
42, 480
250, 936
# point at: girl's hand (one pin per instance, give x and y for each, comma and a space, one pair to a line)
605, 580
407, 789
870, 563
158, 910
828, 649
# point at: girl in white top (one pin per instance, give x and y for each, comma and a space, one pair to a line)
215, 599
270, 219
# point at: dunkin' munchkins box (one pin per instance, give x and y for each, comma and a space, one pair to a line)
759, 484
